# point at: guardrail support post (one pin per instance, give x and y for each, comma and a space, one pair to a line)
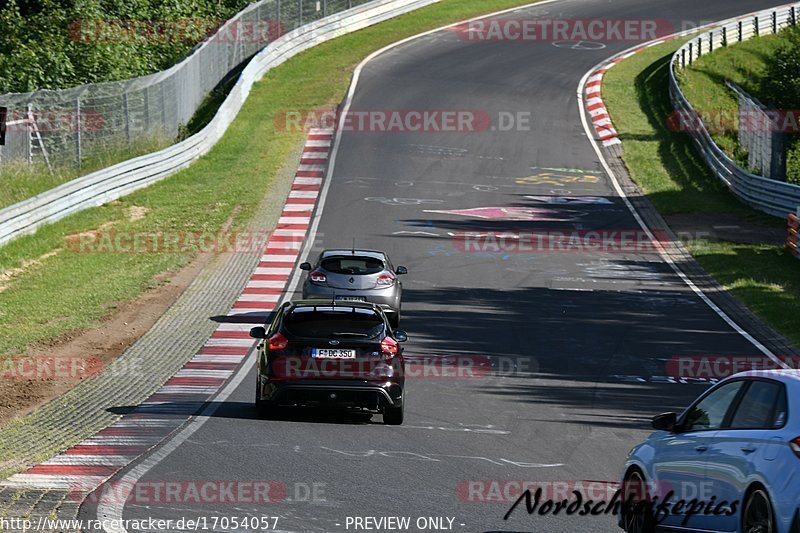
29, 136
146, 109
163, 105
78, 147
691, 53
774, 22
699, 47
755, 26
683, 58
740, 32
127, 111
793, 16
724, 36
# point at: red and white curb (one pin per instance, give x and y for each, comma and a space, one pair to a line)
601, 120
85, 466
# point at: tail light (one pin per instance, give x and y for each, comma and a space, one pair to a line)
389, 346
382, 371
318, 277
795, 446
278, 342
385, 280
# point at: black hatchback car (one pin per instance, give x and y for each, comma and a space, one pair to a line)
330, 353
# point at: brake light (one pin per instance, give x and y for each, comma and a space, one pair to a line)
389, 346
278, 342
385, 279
318, 277
795, 446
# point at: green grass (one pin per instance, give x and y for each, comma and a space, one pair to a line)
21, 181
703, 83
663, 162
745, 64
70, 290
666, 166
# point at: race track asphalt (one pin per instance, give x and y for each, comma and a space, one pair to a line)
560, 328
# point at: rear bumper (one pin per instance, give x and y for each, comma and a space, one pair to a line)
333, 393
388, 298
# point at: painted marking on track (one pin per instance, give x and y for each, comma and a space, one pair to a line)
576, 200
403, 201
511, 213
547, 178
579, 45
476, 429
570, 170
421, 233
430, 457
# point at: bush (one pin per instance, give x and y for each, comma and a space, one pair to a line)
780, 83
793, 162
43, 43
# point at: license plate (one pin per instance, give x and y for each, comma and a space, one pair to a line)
333, 353
351, 299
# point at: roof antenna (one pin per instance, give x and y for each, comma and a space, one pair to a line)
353, 250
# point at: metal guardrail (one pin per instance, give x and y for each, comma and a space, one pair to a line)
770, 196
124, 178
793, 234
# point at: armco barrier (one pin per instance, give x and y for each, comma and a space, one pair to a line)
121, 179
793, 235
770, 196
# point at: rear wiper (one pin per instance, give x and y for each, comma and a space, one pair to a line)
348, 333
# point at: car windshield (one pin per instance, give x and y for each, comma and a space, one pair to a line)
352, 265
334, 323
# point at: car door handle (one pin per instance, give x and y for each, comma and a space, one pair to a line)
701, 448
748, 449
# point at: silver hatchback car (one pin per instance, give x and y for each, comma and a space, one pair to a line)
356, 276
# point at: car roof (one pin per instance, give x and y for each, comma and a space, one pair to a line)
377, 254
786, 375
325, 302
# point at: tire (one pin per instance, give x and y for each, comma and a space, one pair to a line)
394, 321
393, 416
264, 409
757, 515
641, 521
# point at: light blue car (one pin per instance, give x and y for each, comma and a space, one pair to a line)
733, 457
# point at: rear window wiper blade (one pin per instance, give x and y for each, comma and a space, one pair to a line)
349, 333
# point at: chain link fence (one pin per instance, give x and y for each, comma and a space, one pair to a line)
65, 127
760, 135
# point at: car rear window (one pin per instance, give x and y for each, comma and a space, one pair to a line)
352, 265
330, 322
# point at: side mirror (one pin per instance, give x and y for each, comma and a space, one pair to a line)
305, 266
258, 333
400, 335
401, 270
665, 422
